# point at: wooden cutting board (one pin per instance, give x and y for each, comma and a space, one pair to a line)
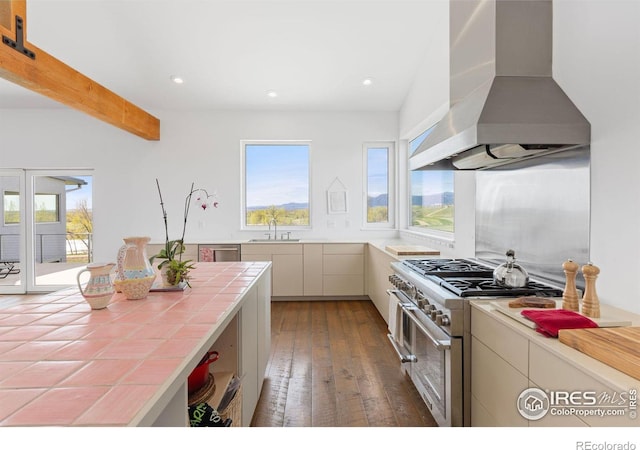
616, 347
403, 250
516, 313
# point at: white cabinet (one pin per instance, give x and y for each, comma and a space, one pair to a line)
312, 270
287, 270
343, 269
504, 362
378, 269
495, 386
499, 368
249, 342
549, 372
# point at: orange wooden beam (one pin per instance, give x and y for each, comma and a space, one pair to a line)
53, 78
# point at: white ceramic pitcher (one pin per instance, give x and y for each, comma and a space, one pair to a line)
99, 288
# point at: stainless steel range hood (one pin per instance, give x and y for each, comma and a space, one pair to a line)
511, 108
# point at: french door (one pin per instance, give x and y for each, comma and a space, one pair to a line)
46, 233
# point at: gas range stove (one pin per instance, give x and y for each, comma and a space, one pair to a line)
430, 327
432, 333
441, 287
468, 278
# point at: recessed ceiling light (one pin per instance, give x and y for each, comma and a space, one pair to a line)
176, 79
367, 82
272, 94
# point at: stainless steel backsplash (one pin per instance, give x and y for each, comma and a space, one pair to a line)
541, 212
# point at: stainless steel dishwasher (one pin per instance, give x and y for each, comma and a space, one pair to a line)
218, 252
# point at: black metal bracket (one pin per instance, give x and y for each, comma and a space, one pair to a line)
18, 44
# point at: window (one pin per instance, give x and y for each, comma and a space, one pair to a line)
276, 183
47, 208
415, 143
378, 162
11, 208
432, 196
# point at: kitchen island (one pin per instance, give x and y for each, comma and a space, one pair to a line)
63, 364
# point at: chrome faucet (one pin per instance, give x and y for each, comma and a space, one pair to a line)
275, 228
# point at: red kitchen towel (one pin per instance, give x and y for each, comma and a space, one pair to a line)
549, 321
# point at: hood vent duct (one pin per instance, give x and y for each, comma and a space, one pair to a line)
510, 108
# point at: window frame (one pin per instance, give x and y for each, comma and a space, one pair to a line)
57, 211
243, 183
391, 185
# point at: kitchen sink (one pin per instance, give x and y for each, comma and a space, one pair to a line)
275, 241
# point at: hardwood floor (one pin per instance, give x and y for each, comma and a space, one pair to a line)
331, 365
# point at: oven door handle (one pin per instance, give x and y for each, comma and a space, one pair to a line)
397, 293
404, 358
407, 307
439, 344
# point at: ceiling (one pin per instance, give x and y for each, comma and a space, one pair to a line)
314, 54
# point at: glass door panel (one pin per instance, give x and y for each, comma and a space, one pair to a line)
12, 232
61, 228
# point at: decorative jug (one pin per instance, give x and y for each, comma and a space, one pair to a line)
135, 275
99, 289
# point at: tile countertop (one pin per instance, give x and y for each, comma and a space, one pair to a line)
63, 364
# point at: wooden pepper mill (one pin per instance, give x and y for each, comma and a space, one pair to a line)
590, 302
570, 293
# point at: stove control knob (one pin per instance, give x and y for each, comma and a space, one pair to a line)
435, 313
410, 289
443, 320
396, 281
429, 308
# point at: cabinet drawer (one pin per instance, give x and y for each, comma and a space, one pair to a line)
343, 249
508, 344
480, 417
496, 385
550, 420
271, 249
343, 264
255, 257
549, 372
343, 285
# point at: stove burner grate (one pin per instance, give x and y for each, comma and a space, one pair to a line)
448, 267
483, 287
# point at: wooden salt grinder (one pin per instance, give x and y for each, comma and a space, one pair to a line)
590, 302
570, 294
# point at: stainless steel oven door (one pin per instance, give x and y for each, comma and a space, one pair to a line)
400, 327
437, 368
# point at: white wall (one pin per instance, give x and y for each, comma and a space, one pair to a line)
597, 63
203, 148
426, 103
428, 97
